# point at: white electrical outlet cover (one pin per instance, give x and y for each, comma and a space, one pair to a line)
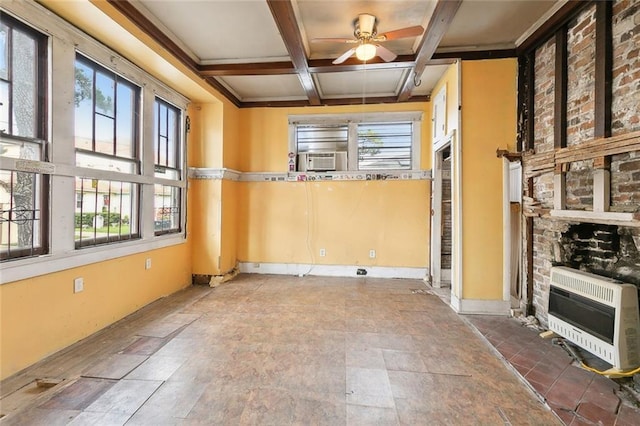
78, 285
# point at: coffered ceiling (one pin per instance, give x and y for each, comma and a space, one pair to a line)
261, 52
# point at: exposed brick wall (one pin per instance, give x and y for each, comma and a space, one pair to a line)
625, 182
447, 216
543, 189
581, 52
625, 168
551, 237
544, 95
579, 194
546, 234
626, 66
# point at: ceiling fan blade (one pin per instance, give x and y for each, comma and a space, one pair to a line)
346, 55
385, 53
334, 40
401, 33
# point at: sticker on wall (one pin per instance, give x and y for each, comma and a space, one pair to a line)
292, 162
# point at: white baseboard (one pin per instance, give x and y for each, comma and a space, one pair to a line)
480, 307
333, 270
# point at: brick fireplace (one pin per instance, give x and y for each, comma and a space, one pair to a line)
582, 230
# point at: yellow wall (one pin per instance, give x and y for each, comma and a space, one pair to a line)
450, 79
232, 153
229, 228
42, 315
489, 122
206, 213
213, 142
289, 222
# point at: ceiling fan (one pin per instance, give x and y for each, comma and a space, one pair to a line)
367, 39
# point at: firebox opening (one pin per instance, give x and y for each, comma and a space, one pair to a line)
607, 250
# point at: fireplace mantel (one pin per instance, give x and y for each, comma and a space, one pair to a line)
605, 218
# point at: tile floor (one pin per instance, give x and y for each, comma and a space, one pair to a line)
577, 396
286, 350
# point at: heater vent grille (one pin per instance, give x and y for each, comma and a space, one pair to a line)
588, 285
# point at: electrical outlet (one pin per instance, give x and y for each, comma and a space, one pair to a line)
323, 252
372, 254
78, 285
147, 263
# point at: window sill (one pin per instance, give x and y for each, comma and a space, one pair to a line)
16, 270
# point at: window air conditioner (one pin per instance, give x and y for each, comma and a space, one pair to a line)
596, 313
317, 161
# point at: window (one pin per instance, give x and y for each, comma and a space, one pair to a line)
322, 138
106, 114
108, 211
167, 159
379, 141
113, 158
106, 129
23, 194
167, 209
384, 146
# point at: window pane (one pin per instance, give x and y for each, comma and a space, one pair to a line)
84, 107
24, 85
162, 136
167, 209
384, 146
162, 143
166, 173
104, 134
105, 163
156, 115
166, 135
322, 138
4, 107
4, 51
106, 211
22, 150
106, 119
125, 122
105, 94
172, 155
20, 215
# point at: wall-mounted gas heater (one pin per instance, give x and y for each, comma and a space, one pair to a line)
596, 313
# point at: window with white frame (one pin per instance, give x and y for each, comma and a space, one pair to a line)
23, 194
372, 141
106, 138
167, 159
113, 156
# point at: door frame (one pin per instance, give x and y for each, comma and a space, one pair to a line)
438, 275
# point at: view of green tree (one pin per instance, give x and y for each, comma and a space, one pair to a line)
84, 90
368, 143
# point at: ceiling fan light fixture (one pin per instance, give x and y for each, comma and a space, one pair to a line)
365, 51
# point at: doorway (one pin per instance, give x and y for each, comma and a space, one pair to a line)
512, 222
441, 219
